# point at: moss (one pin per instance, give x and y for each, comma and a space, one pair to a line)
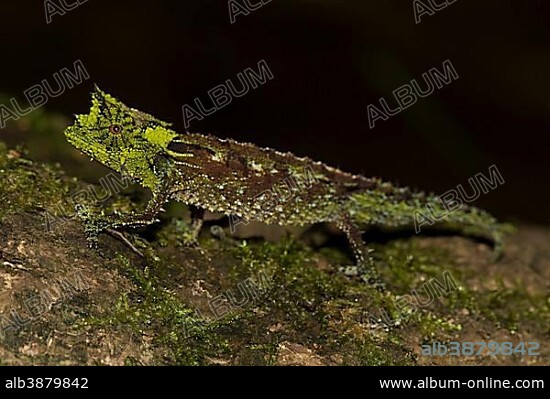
514, 308
26, 186
274, 296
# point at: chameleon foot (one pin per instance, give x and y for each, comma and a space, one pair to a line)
94, 224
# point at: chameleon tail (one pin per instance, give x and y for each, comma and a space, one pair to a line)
401, 208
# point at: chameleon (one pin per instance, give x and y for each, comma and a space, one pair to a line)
224, 176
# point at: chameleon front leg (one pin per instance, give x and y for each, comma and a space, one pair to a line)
364, 263
96, 224
143, 218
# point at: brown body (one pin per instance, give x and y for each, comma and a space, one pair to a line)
258, 183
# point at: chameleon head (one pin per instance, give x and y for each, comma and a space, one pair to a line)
120, 137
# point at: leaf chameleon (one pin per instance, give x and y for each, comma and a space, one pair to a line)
224, 176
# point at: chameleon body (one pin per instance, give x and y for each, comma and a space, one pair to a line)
224, 176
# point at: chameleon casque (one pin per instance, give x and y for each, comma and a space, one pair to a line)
224, 176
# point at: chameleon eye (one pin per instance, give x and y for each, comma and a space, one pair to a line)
115, 129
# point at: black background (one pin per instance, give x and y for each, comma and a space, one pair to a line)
331, 59
161, 380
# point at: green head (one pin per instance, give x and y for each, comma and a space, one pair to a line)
122, 138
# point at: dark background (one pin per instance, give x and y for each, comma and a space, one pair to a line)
331, 59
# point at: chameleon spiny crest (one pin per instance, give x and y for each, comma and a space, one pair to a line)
224, 176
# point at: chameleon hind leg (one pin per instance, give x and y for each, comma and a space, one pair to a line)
364, 267
197, 219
